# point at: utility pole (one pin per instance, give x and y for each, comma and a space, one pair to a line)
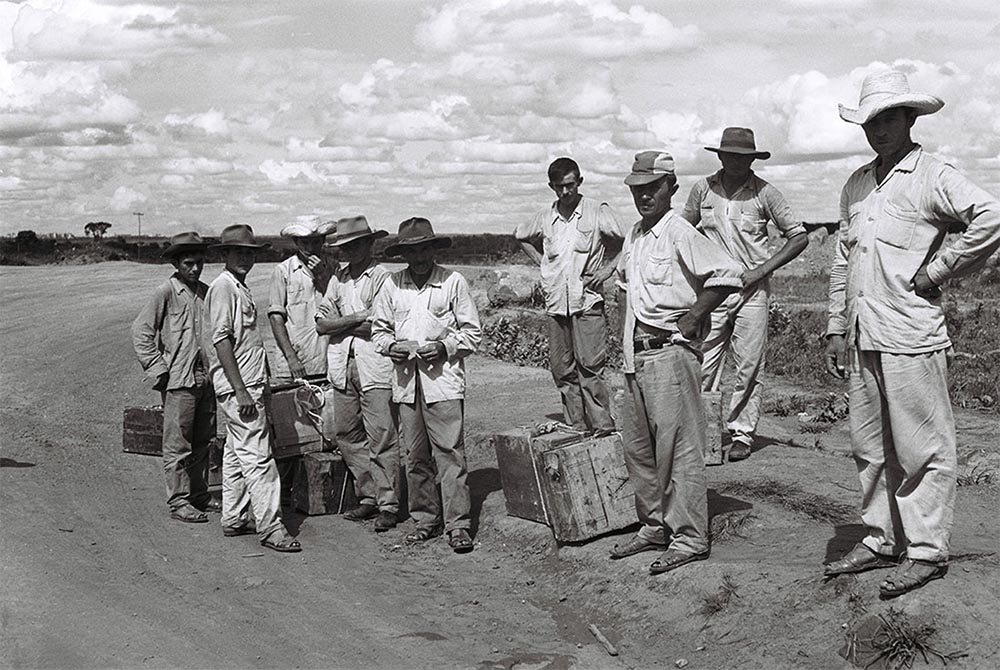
139, 216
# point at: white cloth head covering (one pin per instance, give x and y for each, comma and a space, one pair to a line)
314, 227
884, 90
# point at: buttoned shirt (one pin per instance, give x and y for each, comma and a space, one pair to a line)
347, 295
294, 296
231, 313
888, 231
664, 269
738, 222
572, 252
167, 332
440, 311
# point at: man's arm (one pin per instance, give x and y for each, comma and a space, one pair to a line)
612, 237
692, 208
529, 236
465, 339
777, 210
277, 315
708, 299
793, 246
227, 359
145, 328
356, 324
835, 355
720, 274
531, 251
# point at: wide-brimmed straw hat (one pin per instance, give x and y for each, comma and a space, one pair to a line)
180, 242
415, 231
238, 235
649, 166
884, 90
311, 228
354, 228
739, 141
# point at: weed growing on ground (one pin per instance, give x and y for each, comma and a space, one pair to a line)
714, 603
727, 526
899, 640
814, 427
978, 476
507, 340
793, 498
785, 404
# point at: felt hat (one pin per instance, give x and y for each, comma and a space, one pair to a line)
238, 235
739, 141
312, 228
884, 90
415, 231
649, 166
354, 228
190, 241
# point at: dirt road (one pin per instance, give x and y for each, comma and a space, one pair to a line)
94, 574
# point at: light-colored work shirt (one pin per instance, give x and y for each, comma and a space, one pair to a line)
346, 295
572, 252
663, 271
166, 335
442, 311
888, 231
233, 314
738, 222
295, 297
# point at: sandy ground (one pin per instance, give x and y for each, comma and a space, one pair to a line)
95, 574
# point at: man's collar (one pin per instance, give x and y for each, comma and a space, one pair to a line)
435, 279
577, 211
179, 285
716, 178
659, 226
907, 163
344, 271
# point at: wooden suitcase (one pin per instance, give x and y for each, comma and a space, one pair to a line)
295, 430
323, 485
142, 430
578, 486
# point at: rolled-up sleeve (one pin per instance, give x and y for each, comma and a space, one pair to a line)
327, 307
692, 208
383, 322
278, 292
706, 260
608, 223
955, 198
837, 310
222, 306
465, 340
145, 333
531, 230
780, 212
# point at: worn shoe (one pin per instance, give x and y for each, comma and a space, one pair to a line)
246, 528
188, 514
910, 575
739, 451
859, 559
459, 541
385, 521
362, 513
635, 546
212, 505
672, 559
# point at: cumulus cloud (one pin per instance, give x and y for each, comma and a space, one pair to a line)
124, 198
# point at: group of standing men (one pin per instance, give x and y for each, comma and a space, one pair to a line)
694, 287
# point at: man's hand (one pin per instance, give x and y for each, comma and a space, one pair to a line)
161, 382
399, 352
752, 276
836, 356
312, 261
432, 352
923, 286
596, 281
296, 368
248, 408
688, 326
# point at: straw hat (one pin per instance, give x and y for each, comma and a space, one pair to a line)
311, 228
884, 90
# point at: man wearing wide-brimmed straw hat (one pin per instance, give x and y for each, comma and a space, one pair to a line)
887, 332
251, 492
732, 208
426, 322
361, 377
165, 336
297, 285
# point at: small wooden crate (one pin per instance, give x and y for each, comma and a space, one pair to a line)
293, 431
323, 485
578, 486
142, 430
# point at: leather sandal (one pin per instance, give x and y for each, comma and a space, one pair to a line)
422, 534
634, 546
281, 541
673, 559
459, 541
859, 559
911, 574
245, 528
188, 514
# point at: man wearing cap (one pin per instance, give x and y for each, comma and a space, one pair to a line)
361, 377
165, 337
887, 333
674, 277
251, 491
297, 286
732, 208
568, 240
426, 322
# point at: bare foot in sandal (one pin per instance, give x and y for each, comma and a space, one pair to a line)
910, 575
281, 541
459, 541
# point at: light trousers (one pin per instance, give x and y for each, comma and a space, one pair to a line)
739, 330
188, 429
249, 475
434, 438
904, 444
577, 354
366, 435
663, 434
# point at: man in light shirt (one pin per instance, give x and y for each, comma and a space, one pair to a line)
568, 240
732, 208
426, 322
165, 336
674, 277
361, 377
251, 492
887, 333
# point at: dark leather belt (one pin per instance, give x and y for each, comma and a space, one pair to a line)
650, 343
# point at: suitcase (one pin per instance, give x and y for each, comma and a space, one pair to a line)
578, 486
142, 433
294, 430
323, 485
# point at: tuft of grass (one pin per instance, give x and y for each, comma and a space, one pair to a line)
899, 640
719, 601
978, 476
793, 498
785, 404
727, 526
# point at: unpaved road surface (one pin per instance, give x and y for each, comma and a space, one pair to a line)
95, 574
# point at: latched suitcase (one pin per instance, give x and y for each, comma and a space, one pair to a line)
142, 430
323, 485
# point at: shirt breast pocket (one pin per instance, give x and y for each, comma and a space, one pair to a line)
178, 320
751, 223
659, 270
896, 226
708, 218
583, 239
248, 312
852, 224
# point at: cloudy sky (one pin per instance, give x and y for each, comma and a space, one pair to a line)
204, 114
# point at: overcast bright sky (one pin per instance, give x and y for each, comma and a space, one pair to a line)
211, 113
